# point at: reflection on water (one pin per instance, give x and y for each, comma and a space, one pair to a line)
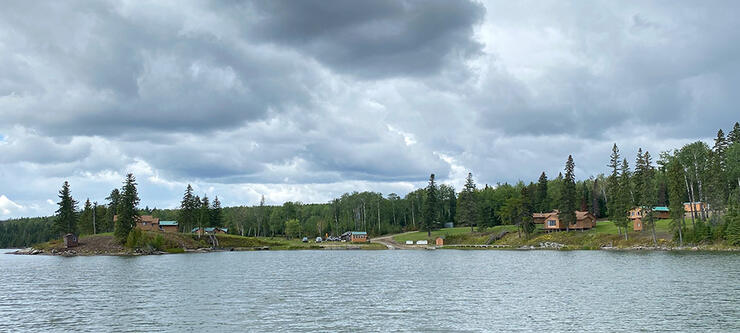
373, 291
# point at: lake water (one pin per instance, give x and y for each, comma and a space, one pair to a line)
444, 290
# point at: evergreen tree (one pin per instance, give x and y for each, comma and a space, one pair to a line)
430, 206
612, 202
568, 202
526, 211
66, 215
128, 213
85, 222
638, 177
541, 200
216, 215
647, 193
675, 198
734, 136
624, 198
188, 210
732, 219
720, 146
113, 201
468, 212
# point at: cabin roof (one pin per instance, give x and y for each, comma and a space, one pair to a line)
359, 233
172, 223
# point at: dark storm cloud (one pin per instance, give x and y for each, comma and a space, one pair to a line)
373, 39
306, 99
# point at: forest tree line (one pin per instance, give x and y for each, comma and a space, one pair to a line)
694, 173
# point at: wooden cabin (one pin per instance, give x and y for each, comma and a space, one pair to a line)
636, 214
359, 237
168, 226
696, 205
150, 223
584, 220
70, 240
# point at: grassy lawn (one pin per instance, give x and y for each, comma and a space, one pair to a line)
421, 235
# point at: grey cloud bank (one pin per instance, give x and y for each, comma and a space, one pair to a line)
305, 101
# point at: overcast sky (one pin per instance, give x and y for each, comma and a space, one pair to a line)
306, 100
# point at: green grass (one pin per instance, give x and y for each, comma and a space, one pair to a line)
421, 235
456, 233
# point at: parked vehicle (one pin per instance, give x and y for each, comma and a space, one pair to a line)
318, 239
305, 239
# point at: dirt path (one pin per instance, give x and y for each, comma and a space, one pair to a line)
391, 244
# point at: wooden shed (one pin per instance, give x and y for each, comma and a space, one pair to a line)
439, 241
358, 237
70, 240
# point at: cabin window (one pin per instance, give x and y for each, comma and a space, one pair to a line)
551, 223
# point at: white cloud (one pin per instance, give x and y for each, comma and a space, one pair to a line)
8, 207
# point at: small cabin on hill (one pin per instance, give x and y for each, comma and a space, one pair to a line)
70, 240
584, 220
150, 223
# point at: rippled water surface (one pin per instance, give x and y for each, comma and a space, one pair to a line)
373, 291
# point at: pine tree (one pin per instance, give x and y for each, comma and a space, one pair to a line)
526, 210
624, 198
568, 202
734, 136
732, 233
128, 213
66, 215
430, 206
216, 215
113, 200
638, 177
541, 200
187, 210
675, 198
647, 193
612, 202
720, 147
85, 222
468, 212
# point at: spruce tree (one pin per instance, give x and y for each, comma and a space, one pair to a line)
675, 198
612, 201
216, 214
541, 200
638, 177
624, 198
430, 206
734, 136
647, 194
85, 222
113, 200
66, 215
187, 215
468, 211
568, 202
128, 213
526, 210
